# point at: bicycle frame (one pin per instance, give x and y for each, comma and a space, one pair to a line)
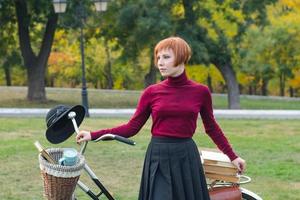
89, 171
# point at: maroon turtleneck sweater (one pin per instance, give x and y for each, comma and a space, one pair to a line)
174, 105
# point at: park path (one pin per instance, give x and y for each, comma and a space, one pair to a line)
232, 114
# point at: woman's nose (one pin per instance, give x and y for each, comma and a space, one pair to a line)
160, 62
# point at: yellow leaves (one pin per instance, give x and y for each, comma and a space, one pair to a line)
59, 34
56, 58
97, 31
210, 31
229, 28
62, 67
295, 4
199, 73
59, 38
224, 16
245, 79
295, 81
284, 12
178, 10
118, 83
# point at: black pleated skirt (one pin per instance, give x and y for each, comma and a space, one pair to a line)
173, 171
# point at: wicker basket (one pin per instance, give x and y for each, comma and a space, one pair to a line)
59, 181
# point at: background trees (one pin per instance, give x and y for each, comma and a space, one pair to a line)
9, 55
253, 45
272, 51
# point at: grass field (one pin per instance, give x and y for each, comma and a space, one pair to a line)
271, 148
16, 97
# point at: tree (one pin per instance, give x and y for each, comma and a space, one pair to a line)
9, 56
284, 30
255, 56
99, 61
31, 14
284, 55
191, 20
273, 50
138, 25
226, 22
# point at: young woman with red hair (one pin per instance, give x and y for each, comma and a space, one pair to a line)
172, 167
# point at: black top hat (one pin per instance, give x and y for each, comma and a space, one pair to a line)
59, 126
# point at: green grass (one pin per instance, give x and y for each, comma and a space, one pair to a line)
271, 148
16, 97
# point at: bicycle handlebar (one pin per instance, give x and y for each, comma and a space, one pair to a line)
115, 137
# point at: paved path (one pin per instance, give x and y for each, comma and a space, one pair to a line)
233, 114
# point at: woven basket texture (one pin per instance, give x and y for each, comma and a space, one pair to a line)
59, 181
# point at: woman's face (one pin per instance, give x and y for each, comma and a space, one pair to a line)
165, 63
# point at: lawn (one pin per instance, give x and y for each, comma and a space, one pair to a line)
16, 97
271, 148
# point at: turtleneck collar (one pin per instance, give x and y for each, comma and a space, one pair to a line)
182, 79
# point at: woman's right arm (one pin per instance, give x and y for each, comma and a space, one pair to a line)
129, 129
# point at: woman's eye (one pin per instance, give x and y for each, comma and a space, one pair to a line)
166, 57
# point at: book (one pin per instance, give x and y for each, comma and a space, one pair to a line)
212, 157
217, 166
44, 153
213, 176
208, 168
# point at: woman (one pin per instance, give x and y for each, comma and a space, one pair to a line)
172, 168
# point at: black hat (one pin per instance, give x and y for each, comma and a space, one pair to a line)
59, 126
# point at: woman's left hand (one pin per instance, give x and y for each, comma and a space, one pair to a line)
240, 164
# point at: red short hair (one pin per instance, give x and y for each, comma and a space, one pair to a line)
179, 46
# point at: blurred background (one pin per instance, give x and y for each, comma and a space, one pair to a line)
239, 47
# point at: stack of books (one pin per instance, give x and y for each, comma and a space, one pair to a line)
217, 166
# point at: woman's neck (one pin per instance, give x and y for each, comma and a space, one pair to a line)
179, 80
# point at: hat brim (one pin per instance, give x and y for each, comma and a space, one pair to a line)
63, 128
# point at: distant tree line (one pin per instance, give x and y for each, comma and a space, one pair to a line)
238, 46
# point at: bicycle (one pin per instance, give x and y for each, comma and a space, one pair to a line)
246, 194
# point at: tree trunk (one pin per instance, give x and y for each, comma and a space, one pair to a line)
7, 76
264, 87
255, 88
250, 90
232, 85
209, 83
189, 14
36, 82
107, 70
35, 65
51, 81
291, 92
150, 78
282, 84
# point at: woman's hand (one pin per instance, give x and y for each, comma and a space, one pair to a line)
83, 136
240, 164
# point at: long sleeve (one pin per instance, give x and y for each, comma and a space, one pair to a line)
136, 122
212, 128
